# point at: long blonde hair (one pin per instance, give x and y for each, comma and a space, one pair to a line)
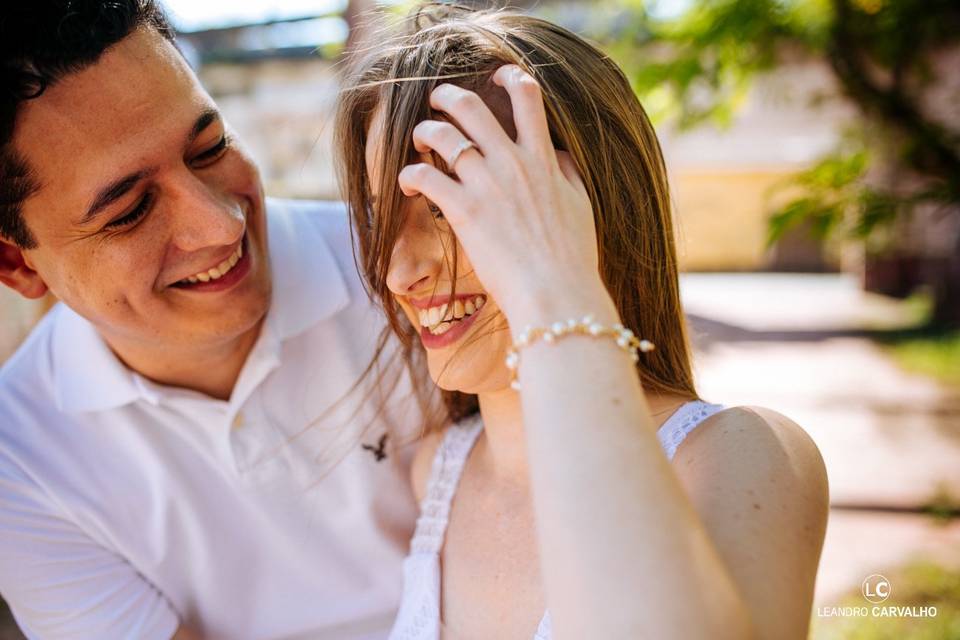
593, 114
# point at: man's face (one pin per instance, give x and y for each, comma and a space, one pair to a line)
144, 202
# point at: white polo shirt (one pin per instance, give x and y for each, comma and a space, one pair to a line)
126, 506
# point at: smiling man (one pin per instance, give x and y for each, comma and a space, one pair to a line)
179, 437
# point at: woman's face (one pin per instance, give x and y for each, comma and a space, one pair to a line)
464, 333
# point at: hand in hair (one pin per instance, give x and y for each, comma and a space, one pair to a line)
519, 209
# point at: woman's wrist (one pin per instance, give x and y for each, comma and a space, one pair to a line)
544, 306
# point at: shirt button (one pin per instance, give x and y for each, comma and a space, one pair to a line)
238, 421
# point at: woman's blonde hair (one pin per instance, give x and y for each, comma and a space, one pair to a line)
593, 115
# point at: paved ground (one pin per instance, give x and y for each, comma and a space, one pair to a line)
798, 344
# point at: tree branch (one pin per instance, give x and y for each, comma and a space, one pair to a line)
892, 106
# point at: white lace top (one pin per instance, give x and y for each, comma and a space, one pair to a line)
419, 615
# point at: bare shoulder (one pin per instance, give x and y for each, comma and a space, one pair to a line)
759, 486
753, 434
423, 461
746, 456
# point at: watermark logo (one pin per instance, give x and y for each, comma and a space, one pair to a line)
875, 588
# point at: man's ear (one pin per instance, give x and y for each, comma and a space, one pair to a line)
16, 273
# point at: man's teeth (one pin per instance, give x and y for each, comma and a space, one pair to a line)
218, 271
439, 321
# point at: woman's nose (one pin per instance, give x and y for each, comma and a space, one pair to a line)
416, 261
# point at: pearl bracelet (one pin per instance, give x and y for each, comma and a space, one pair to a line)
623, 336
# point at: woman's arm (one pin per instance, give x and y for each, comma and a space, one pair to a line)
728, 540
624, 551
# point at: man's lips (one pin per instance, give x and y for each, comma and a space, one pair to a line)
225, 257
236, 274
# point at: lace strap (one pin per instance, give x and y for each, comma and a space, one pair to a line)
683, 421
448, 462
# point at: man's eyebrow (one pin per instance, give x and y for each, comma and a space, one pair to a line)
118, 188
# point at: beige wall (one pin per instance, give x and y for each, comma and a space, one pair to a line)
721, 217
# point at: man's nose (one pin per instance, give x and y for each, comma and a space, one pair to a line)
204, 217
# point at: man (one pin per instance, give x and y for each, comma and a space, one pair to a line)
179, 438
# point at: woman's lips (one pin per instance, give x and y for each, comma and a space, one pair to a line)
459, 328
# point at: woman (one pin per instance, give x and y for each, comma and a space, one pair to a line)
487, 247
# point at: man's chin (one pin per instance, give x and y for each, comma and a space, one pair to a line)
218, 331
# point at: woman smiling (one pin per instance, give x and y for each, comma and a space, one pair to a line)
513, 217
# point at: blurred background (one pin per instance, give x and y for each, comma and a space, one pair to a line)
814, 155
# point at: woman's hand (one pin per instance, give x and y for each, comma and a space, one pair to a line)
519, 209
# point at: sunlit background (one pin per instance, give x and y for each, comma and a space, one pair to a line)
815, 166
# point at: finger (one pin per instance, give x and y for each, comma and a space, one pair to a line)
426, 180
570, 171
529, 112
446, 140
472, 116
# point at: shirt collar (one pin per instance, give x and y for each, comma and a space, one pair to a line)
308, 284
86, 374
308, 287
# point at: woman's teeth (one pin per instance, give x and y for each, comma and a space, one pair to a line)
218, 271
439, 321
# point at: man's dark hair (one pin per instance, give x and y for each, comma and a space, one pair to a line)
41, 42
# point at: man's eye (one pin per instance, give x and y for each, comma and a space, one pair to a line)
138, 212
213, 152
